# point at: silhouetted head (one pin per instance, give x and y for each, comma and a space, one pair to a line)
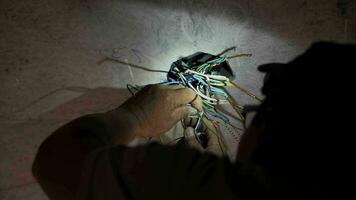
303, 128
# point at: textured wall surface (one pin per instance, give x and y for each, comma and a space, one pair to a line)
49, 53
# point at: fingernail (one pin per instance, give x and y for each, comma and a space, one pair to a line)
192, 111
189, 132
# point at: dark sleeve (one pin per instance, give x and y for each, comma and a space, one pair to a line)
155, 172
59, 160
80, 161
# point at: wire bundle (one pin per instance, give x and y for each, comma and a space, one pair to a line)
206, 82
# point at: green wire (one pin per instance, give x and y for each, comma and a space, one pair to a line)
208, 105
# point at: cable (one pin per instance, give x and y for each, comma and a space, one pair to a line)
245, 91
130, 87
207, 82
132, 65
226, 50
240, 55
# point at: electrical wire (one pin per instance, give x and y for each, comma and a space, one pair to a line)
240, 55
130, 88
226, 50
204, 79
132, 65
245, 91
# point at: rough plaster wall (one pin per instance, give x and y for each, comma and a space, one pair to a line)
48, 46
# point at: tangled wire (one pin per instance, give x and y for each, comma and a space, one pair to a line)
208, 76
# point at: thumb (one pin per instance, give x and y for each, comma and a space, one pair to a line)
214, 145
214, 141
191, 140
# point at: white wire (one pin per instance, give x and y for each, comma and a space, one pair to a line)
200, 94
216, 77
214, 101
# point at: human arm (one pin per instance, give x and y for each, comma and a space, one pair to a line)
152, 111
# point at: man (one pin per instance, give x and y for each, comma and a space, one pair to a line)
295, 148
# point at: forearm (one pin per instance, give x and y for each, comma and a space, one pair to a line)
122, 126
151, 112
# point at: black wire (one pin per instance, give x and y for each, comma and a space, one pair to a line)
130, 87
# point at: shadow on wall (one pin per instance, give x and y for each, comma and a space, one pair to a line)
96, 100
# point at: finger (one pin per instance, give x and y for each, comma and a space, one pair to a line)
191, 140
190, 121
212, 138
189, 132
183, 112
214, 142
186, 96
197, 103
215, 149
211, 132
214, 145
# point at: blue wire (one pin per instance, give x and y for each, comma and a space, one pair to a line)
185, 65
218, 91
222, 116
199, 79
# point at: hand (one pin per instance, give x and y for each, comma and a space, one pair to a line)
214, 145
157, 108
